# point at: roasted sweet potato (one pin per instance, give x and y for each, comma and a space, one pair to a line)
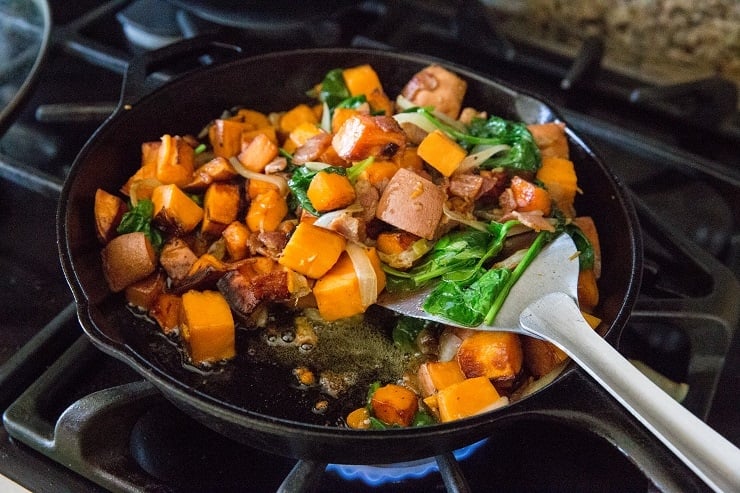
436, 375
217, 169
494, 355
362, 136
126, 259
550, 139
586, 224
109, 209
411, 203
529, 197
266, 211
312, 251
541, 357
466, 398
207, 326
330, 191
166, 311
235, 236
226, 136
441, 152
294, 117
559, 177
588, 290
174, 211
144, 293
221, 204
258, 152
175, 161
337, 292
394, 405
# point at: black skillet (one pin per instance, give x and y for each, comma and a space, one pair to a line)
254, 403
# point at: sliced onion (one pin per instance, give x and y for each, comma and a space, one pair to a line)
133, 192
277, 180
456, 216
403, 103
475, 159
316, 165
325, 118
512, 260
415, 119
325, 220
366, 276
449, 343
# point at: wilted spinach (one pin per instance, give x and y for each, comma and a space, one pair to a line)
139, 219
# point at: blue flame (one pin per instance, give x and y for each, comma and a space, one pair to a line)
381, 474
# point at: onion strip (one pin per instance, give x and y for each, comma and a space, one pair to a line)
325, 220
366, 276
474, 160
133, 193
277, 180
415, 119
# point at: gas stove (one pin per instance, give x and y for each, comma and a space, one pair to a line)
78, 420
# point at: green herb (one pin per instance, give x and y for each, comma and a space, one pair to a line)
584, 247
354, 172
333, 88
201, 148
301, 179
139, 219
423, 418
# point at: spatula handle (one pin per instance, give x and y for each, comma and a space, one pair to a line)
710, 455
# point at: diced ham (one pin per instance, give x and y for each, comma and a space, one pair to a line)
466, 186
411, 203
177, 258
244, 294
313, 148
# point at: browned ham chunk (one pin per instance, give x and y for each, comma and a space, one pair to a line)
244, 294
411, 203
438, 87
177, 258
466, 186
362, 136
313, 148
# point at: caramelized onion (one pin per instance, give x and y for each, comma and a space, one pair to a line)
277, 180
480, 154
366, 276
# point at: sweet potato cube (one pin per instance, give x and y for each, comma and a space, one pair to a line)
330, 191
412, 203
312, 250
394, 405
266, 211
220, 207
300, 135
362, 136
268, 132
379, 172
144, 293
340, 116
550, 138
175, 161
207, 326
437, 375
254, 118
467, 398
361, 79
395, 242
296, 116
235, 236
174, 211
588, 290
108, 209
541, 357
494, 355
258, 153
226, 136
559, 177
441, 152
166, 311
588, 227
337, 292
126, 259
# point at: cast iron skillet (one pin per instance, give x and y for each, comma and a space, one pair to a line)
253, 403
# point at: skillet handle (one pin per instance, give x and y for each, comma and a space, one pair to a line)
711, 456
154, 68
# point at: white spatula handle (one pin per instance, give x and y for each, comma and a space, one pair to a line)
711, 456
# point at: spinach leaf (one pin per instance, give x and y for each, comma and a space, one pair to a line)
466, 303
543, 237
333, 88
301, 179
584, 247
139, 218
523, 155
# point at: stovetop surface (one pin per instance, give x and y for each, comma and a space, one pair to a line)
36, 307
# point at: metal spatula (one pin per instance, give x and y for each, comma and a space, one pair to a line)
542, 304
